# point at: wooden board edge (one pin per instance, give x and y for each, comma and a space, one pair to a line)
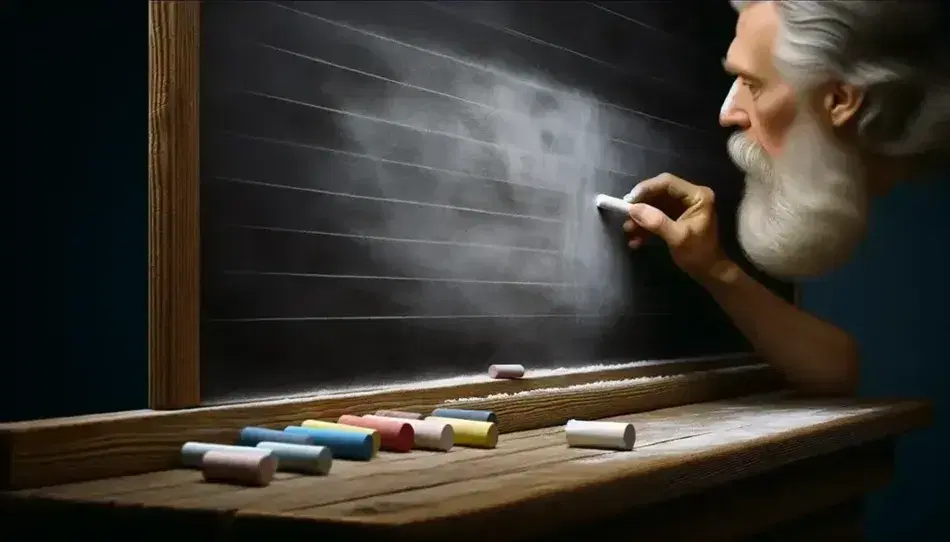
173, 228
619, 490
56, 452
735, 508
790, 494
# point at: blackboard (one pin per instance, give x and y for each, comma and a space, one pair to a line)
393, 191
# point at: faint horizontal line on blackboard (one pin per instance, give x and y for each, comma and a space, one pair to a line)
490, 109
386, 200
631, 20
391, 239
440, 133
414, 317
407, 279
539, 41
318, 148
487, 69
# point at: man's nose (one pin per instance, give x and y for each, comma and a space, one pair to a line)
729, 114
734, 118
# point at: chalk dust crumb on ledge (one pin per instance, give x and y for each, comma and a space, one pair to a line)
605, 384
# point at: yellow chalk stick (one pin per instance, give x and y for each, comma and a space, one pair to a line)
470, 432
317, 424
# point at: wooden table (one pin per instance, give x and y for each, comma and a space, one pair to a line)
722, 470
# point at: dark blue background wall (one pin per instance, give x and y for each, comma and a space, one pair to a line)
77, 207
894, 298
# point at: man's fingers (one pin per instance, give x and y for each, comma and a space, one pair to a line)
654, 221
671, 185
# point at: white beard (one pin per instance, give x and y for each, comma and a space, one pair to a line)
804, 212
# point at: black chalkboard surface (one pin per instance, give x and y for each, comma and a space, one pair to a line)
393, 191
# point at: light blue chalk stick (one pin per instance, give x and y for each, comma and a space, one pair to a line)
303, 458
342, 444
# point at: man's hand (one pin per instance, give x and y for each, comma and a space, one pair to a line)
813, 355
684, 216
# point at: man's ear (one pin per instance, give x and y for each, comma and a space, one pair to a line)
842, 102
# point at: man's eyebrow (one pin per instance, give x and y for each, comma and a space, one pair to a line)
735, 70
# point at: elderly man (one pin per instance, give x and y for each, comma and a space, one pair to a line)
833, 102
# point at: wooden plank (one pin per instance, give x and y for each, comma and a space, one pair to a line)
723, 513
48, 452
175, 485
753, 507
423, 497
173, 205
657, 473
461, 465
784, 500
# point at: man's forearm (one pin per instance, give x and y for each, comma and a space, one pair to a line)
812, 354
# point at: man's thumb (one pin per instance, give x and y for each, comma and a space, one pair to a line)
656, 222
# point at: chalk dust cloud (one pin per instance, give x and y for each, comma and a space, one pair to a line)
537, 141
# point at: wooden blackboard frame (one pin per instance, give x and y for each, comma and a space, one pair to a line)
55, 451
173, 179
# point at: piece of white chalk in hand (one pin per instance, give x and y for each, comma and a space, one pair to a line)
604, 435
611, 203
632, 195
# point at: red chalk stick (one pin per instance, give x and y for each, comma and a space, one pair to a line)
396, 435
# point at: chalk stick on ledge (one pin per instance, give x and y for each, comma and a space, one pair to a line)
506, 371
342, 444
470, 432
399, 414
397, 435
238, 468
427, 434
462, 414
610, 203
318, 424
302, 458
604, 435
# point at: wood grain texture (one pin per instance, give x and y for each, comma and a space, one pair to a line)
46, 452
813, 496
661, 472
173, 302
784, 458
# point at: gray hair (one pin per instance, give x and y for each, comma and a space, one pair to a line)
893, 50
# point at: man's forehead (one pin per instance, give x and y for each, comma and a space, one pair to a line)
751, 51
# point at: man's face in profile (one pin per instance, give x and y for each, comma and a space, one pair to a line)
805, 204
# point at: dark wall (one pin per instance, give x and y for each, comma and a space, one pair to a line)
393, 190
893, 297
76, 208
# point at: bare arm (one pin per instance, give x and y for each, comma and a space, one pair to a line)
813, 355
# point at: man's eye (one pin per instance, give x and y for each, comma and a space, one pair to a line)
753, 87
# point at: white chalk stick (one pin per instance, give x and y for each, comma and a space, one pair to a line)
506, 371
611, 203
427, 434
240, 468
192, 452
605, 435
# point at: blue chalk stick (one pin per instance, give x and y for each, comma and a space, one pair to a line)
251, 436
474, 415
342, 444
